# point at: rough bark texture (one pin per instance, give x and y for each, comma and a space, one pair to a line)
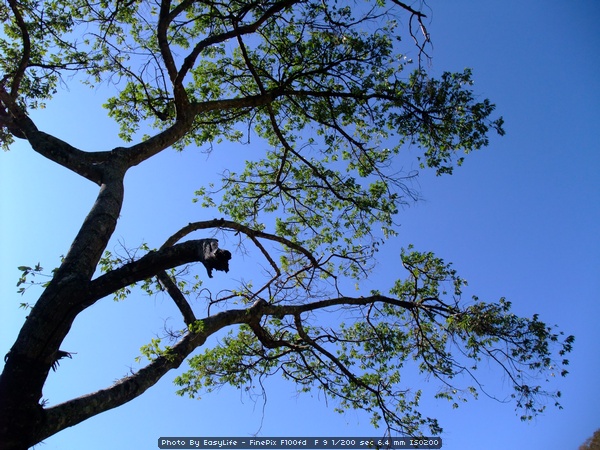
23, 421
279, 89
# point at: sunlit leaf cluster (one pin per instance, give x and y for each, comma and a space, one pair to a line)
361, 361
329, 108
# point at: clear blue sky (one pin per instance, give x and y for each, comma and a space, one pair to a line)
520, 220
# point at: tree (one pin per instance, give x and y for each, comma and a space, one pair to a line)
329, 91
591, 443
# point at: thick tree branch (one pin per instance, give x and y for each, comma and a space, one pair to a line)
148, 266
77, 410
24, 61
251, 233
97, 228
164, 20
88, 165
312, 64
293, 310
138, 153
65, 296
8, 122
180, 301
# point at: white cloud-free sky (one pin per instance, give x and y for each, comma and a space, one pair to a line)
520, 219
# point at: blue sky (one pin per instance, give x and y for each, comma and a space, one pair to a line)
519, 219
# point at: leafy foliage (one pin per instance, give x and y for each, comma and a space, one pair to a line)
592, 443
331, 104
361, 364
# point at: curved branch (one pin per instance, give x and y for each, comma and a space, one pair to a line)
274, 124
420, 16
150, 265
180, 301
164, 20
231, 225
87, 164
24, 62
190, 60
349, 375
293, 310
413, 11
79, 409
138, 153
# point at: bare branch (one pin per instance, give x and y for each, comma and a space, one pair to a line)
409, 8
251, 233
180, 301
